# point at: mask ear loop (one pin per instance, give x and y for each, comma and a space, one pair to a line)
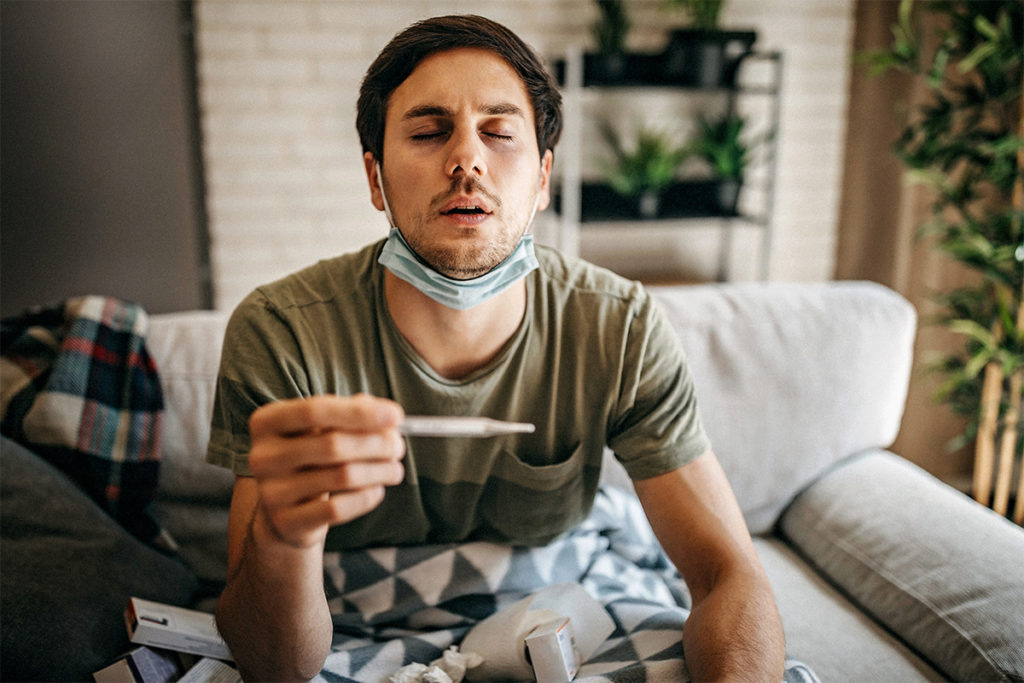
384, 197
536, 204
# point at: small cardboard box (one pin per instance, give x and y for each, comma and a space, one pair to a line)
552, 652
174, 628
142, 665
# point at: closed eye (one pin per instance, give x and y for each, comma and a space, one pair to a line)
430, 136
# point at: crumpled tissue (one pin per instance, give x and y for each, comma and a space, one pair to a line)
450, 667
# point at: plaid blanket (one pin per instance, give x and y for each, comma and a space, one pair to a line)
398, 605
80, 390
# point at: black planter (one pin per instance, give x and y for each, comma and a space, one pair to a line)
626, 69
728, 195
707, 59
697, 198
604, 68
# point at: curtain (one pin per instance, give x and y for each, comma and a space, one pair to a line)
878, 228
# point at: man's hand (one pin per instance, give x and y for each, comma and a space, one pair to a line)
316, 462
323, 461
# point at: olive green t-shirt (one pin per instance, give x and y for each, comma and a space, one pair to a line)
593, 363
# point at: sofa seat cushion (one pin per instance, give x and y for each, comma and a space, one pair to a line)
828, 632
921, 558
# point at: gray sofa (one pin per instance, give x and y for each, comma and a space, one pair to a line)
881, 571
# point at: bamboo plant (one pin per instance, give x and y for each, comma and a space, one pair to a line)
967, 144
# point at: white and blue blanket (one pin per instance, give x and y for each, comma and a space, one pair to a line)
398, 605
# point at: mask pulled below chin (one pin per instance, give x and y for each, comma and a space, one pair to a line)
398, 257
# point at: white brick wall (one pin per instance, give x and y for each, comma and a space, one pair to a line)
285, 183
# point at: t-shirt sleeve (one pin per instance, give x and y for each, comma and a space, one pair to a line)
657, 425
260, 363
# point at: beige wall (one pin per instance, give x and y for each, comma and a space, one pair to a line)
278, 84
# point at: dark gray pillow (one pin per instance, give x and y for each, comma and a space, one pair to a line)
939, 570
66, 573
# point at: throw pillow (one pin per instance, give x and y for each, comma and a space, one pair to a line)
937, 569
67, 570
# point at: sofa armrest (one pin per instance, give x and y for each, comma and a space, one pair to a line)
940, 571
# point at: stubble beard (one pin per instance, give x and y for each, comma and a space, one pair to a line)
469, 260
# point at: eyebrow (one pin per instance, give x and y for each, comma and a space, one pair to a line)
433, 110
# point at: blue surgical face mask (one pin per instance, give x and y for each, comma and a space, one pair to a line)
398, 257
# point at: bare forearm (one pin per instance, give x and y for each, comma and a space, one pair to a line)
273, 613
735, 633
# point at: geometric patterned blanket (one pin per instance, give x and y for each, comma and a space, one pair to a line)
398, 605
80, 390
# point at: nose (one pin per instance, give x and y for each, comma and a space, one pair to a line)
465, 155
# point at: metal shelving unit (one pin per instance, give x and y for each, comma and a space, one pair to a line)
579, 207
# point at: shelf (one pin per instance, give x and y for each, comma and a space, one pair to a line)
673, 67
581, 202
685, 199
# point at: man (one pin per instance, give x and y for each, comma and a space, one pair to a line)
456, 313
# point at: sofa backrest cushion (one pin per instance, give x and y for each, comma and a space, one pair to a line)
193, 498
793, 377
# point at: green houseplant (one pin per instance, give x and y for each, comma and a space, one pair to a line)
966, 143
642, 172
609, 32
611, 27
703, 14
719, 142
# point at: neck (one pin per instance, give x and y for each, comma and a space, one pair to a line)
454, 343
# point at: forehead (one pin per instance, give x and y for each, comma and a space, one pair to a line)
472, 77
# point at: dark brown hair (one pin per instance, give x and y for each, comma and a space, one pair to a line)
406, 50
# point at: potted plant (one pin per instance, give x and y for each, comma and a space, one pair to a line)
701, 54
609, 32
719, 142
642, 173
703, 13
967, 144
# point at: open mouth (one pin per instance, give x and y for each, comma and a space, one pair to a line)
464, 211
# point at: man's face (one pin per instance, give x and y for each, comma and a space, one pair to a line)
462, 172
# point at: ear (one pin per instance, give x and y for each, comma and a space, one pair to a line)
544, 194
373, 178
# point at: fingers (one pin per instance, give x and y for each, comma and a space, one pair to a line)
323, 461
359, 413
303, 525
274, 455
310, 484
323, 430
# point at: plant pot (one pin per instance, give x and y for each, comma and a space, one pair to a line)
627, 68
648, 203
604, 68
728, 195
689, 198
707, 59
